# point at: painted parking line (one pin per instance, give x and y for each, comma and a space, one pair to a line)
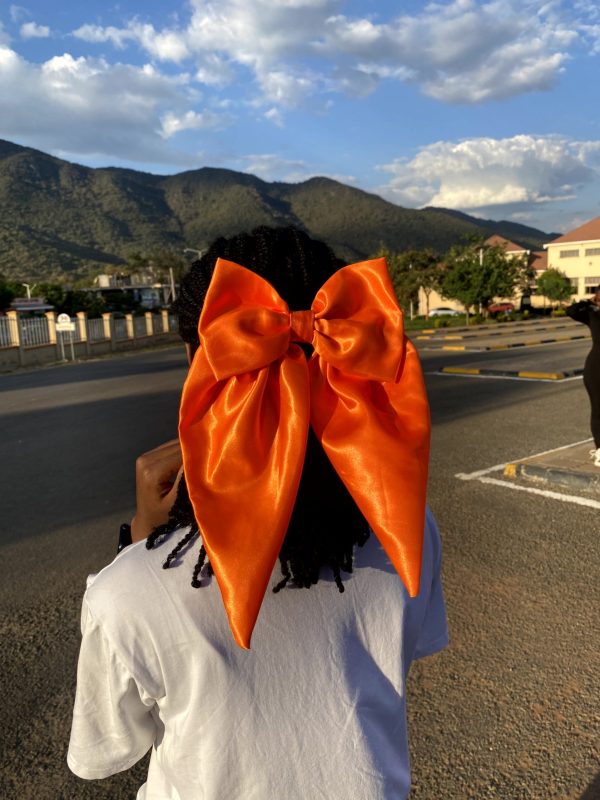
523, 374
484, 476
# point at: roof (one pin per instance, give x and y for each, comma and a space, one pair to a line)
539, 260
587, 232
496, 240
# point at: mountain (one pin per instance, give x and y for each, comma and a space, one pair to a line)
60, 218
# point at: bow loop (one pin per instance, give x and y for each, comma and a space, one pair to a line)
358, 323
244, 324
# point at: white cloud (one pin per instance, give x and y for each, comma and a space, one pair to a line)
190, 120
89, 107
31, 30
462, 51
272, 167
4, 37
487, 173
17, 13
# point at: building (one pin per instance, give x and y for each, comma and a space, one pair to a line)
577, 254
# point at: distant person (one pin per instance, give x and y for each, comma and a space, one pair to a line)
316, 709
588, 312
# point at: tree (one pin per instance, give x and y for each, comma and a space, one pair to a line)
404, 279
52, 293
476, 273
555, 285
8, 291
425, 268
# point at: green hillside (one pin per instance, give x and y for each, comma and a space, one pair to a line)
58, 218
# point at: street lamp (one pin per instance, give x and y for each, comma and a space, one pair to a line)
29, 287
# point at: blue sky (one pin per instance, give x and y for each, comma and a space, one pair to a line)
487, 107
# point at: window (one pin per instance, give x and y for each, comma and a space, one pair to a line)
592, 251
569, 253
575, 283
592, 285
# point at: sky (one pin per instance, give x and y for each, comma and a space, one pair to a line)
491, 108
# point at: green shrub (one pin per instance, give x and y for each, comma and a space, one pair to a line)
440, 322
559, 312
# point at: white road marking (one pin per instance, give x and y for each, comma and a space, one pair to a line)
481, 476
470, 476
565, 498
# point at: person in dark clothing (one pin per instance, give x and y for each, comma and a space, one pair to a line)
588, 312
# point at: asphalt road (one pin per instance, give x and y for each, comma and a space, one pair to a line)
509, 711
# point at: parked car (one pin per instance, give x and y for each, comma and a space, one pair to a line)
444, 311
501, 308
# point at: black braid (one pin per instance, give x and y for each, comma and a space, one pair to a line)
326, 524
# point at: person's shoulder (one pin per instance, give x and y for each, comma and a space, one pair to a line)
127, 582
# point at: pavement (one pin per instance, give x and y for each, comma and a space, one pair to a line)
571, 467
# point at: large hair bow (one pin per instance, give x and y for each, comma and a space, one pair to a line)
250, 396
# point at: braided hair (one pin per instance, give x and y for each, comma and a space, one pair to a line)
325, 524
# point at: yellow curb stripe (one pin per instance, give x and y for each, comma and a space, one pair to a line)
452, 337
424, 337
453, 347
510, 471
542, 376
461, 370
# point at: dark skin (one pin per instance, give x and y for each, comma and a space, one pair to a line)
157, 474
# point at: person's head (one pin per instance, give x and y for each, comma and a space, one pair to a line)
326, 523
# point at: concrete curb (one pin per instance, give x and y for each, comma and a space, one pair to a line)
554, 476
511, 345
507, 373
435, 333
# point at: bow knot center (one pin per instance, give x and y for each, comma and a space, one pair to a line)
302, 324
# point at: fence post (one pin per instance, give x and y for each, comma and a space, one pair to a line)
52, 338
149, 328
109, 329
165, 320
130, 327
83, 330
15, 334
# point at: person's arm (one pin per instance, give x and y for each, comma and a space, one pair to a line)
434, 629
113, 724
580, 311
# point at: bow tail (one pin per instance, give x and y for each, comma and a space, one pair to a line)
376, 434
243, 441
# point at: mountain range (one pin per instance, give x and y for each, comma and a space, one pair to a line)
62, 219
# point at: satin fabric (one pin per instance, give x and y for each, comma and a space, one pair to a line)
250, 396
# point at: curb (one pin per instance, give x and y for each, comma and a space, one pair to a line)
506, 373
495, 347
554, 476
431, 332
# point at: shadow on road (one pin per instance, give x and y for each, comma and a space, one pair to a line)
593, 790
122, 365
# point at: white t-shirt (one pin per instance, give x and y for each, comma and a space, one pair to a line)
314, 711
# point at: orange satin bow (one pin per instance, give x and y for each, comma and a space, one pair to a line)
247, 403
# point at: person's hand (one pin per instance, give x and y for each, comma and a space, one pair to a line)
157, 474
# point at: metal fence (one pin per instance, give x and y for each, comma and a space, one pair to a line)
96, 330
8, 332
139, 327
34, 332
121, 329
157, 324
